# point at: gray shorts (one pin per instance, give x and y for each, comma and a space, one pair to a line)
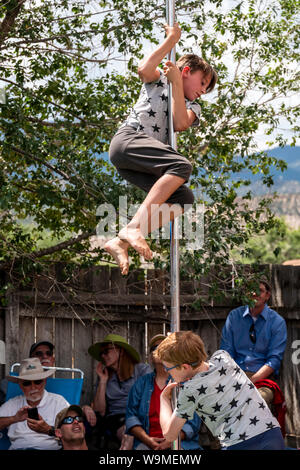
142, 160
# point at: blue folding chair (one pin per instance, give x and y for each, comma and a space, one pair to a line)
69, 388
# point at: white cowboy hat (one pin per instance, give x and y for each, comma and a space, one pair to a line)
30, 369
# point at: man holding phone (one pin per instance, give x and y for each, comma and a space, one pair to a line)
30, 417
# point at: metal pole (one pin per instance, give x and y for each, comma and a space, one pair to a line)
174, 244
174, 240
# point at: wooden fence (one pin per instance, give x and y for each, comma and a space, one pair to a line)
136, 307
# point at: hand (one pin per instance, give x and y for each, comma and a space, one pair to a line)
127, 442
172, 72
173, 31
164, 445
102, 372
38, 425
154, 442
21, 414
90, 415
166, 394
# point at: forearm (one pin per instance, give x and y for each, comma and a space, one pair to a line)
141, 435
7, 421
100, 398
165, 416
263, 373
179, 111
149, 64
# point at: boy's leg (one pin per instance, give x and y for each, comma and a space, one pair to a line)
154, 167
154, 219
140, 225
118, 249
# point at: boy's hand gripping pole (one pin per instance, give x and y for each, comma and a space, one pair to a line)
174, 241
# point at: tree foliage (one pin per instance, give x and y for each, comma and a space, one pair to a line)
280, 244
69, 69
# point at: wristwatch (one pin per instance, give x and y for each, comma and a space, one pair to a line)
51, 431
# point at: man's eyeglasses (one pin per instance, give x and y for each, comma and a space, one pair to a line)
27, 383
41, 353
167, 369
252, 333
71, 419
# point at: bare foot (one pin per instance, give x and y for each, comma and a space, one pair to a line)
118, 249
135, 238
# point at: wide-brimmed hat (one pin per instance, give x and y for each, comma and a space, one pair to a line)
64, 413
154, 339
30, 369
39, 343
96, 349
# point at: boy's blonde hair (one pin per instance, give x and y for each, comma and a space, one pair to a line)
194, 62
182, 347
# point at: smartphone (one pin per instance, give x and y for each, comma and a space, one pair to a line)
33, 413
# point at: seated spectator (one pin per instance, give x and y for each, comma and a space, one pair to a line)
25, 432
143, 409
119, 367
44, 351
69, 428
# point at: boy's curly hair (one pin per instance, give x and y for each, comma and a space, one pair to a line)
182, 347
194, 62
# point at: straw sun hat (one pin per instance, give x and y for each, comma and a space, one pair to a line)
30, 369
96, 349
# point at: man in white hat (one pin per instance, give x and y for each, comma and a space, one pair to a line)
25, 432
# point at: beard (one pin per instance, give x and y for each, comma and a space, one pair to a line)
34, 397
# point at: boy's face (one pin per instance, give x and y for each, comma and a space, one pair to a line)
194, 83
179, 374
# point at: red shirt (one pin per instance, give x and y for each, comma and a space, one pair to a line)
155, 429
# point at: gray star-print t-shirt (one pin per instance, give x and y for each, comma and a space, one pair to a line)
227, 401
150, 113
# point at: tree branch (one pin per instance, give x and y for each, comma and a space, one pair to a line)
9, 20
63, 245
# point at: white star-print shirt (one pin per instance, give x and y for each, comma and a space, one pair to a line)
227, 401
150, 113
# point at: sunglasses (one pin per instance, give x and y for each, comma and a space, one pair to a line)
252, 333
106, 351
167, 369
27, 383
71, 419
41, 353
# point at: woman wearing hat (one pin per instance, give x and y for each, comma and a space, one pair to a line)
143, 410
119, 367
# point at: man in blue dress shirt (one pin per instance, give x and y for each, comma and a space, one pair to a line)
255, 337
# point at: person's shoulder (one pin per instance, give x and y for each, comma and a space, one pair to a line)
220, 357
142, 380
15, 400
142, 369
14, 403
160, 79
274, 315
57, 397
238, 311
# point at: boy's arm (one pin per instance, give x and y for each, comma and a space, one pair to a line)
147, 69
182, 118
170, 423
